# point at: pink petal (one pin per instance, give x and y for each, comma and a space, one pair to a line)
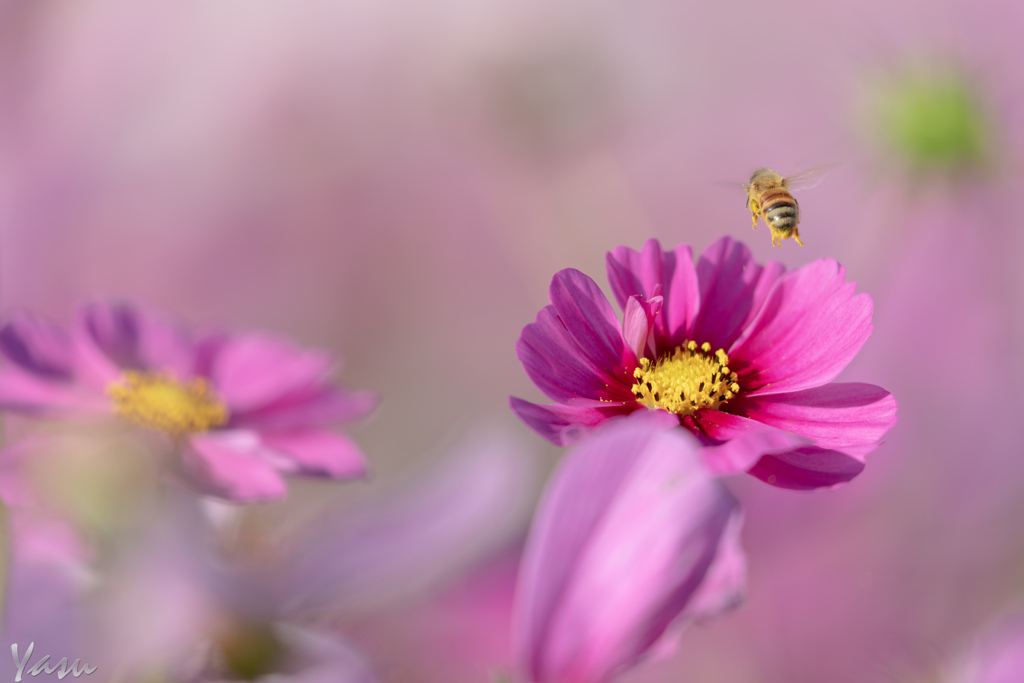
733, 288
725, 585
566, 424
309, 408
651, 272
253, 370
997, 657
422, 530
42, 605
37, 347
551, 359
808, 467
623, 538
207, 347
575, 347
844, 417
745, 441
23, 393
724, 588
318, 452
38, 376
112, 337
638, 321
233, 465
809, 329
590, 319
320, 657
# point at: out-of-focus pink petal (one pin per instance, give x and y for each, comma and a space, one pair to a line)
37, 347
732, 289
207, 347
319, 452
309, 408
422, 531
566, 424
45, 562
41, 608
810, 327
112, 337
39, 536
808, 467
745, 441
553, 359
24, 393
253, 370
15, 488
845, 417
724, 588
638, 320
997, 658
233, 465
651, 272
319, 658
725, 585
623, 538
38, 375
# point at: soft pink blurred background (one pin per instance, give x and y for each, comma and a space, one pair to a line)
397, 182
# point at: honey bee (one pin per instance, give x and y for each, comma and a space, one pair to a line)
769, 196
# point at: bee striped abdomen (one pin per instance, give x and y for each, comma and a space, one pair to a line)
779, 209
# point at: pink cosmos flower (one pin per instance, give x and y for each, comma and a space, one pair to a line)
633, 539
240, 410
741, 354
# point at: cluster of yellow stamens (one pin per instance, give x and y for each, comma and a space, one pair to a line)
689, 378
160, 402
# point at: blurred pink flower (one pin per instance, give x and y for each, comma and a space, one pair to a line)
171, 601
632, 539
172, 605
240, 409
741, 354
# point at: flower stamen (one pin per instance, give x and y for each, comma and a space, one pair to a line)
688, 379
160, 402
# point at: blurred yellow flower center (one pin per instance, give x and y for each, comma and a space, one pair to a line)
160, 402
689, 378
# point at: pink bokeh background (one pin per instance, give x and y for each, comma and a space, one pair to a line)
396, 182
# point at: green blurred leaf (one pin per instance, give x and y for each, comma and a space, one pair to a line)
933, 120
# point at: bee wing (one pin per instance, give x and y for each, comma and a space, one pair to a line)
808, 179
731, 184
734, 186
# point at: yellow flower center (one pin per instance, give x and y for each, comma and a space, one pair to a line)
160, 402
688, 379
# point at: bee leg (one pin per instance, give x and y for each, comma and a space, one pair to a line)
796, 236
755, 208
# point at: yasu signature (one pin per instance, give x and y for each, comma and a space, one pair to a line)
61, 668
